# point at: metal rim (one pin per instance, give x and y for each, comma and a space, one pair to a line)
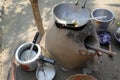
30, 61
104, 9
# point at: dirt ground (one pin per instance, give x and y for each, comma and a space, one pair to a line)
18, 26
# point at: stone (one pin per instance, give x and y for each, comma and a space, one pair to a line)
86, 71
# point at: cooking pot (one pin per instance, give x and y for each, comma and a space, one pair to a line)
104, 23
70, 14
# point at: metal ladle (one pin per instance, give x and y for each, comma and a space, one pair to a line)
100, 17
76, 23
33, 44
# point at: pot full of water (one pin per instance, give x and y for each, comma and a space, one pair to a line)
28, 63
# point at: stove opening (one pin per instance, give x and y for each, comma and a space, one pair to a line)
90, 40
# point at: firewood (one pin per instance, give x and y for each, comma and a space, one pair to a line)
100, 49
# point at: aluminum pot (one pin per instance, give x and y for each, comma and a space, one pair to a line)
27, 65
103, 23
69, 13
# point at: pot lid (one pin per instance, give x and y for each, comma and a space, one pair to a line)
45, 72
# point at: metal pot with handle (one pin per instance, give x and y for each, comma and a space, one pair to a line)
71, 14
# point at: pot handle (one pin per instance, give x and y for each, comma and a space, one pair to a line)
84, 4
44, 59
77, 1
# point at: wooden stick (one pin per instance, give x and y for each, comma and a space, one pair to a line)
13, 71
100, 49
37, 16
110, 49
13, 66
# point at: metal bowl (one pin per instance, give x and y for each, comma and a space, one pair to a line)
117, 34
102, 12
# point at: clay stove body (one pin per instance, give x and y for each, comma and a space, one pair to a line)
67, 46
